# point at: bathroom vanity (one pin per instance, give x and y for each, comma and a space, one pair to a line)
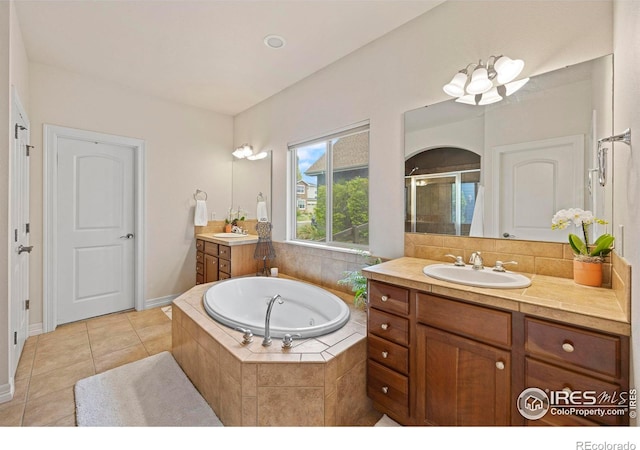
218, 258
441, 353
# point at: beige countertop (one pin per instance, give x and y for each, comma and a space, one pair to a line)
548, 297
240, 240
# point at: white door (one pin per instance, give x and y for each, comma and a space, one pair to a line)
95, 228
21, 249
535, 180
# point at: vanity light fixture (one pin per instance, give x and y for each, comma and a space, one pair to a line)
480, 84
246, 151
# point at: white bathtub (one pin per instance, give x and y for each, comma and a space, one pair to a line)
308, 310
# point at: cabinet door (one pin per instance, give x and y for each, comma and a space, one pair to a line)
210, 268
460, 381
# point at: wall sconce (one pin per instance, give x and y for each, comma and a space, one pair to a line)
486, 84
246, 151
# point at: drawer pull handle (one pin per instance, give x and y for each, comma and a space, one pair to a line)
385, 389
384, 326
567, 347
384, 298
500, 365
567, 389
385, 355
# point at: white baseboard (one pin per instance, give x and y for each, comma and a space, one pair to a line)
7, 391
160, 301
35, 329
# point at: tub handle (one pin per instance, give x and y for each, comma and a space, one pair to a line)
247, 337
384, 326
287, 340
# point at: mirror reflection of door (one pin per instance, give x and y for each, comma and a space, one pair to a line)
441, 186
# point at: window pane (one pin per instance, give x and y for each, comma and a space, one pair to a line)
311, 171
350, 198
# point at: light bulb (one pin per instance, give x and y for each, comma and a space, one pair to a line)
508, 68
480, 82
455, 88
515, 85
490, 97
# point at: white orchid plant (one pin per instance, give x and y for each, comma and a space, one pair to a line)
582, 249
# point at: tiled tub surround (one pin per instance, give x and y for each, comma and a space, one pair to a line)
318, 382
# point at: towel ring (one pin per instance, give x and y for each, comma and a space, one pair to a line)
198, 192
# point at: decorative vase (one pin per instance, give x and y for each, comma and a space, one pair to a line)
228, 228
587, 273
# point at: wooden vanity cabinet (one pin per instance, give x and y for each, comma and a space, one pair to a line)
559, 357
388, 362
462, 377
434, 360
218, 261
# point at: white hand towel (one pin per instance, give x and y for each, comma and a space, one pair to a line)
261, 212
200, 217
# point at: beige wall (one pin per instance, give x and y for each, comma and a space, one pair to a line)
186, 149
406, 69
626, 39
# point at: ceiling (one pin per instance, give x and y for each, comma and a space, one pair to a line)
207, 53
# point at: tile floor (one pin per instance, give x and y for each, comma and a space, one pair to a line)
51, 363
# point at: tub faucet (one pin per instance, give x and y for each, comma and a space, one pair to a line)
476, 261
267, 335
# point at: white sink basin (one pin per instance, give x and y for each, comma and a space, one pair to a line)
229, 235
486, 278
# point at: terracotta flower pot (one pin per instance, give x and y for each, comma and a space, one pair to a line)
587, 273
228, 228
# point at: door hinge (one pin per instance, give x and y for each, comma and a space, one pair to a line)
27, 228
15, 235
15, 338
29, 147
26, 304
18, 128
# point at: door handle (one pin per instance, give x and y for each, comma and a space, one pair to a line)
23, 249
127, 236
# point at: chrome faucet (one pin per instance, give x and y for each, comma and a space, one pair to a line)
267, 335
476, 261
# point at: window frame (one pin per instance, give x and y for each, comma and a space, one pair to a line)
292, 165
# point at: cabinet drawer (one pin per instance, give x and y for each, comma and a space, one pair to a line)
199, 257
225, 265
224, 252
200, 268
199, 245
211, 248
548, 377
223, 276
199, 278
586, 349
388, 298
477, 322
388, 326
389, 354
390, 389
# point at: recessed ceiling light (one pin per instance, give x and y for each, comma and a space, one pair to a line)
274, 41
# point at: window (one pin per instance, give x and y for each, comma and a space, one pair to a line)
300, 188
334, 169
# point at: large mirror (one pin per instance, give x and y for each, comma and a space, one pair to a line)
250, 179
504, 169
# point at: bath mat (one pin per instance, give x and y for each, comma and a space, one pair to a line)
150, 392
